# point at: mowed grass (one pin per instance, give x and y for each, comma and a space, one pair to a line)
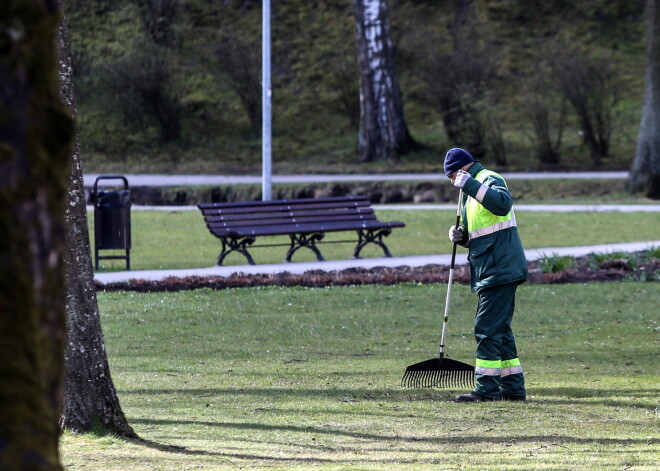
309, 378
180, 239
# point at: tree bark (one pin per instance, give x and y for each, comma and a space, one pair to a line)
90, 399
645, 171
35, 150
383, 133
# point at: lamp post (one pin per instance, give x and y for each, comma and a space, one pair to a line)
266, 95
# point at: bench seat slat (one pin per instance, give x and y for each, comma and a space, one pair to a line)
291, 220
309, 228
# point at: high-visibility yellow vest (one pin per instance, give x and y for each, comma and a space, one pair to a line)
480, 221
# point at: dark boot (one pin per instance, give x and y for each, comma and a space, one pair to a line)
473, 397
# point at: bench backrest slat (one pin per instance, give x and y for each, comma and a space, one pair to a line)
346, 200
355, 212
285, 207
309, 228
294, 220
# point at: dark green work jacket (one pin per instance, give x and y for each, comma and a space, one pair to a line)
496, 253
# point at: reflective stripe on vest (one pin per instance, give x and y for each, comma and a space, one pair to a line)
480, 221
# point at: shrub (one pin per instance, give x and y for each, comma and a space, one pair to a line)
612, 260
555, 263
653, 252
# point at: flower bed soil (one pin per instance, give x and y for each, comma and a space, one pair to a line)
582, 271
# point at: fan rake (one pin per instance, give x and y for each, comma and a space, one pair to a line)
439, 373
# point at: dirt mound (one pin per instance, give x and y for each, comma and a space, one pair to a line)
582, 270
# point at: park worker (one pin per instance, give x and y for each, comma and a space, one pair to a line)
497, 266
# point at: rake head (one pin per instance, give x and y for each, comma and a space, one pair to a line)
439, 373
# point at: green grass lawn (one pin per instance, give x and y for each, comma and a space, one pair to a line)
309, 378
179, 239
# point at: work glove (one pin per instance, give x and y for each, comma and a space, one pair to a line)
461, 177
455, 234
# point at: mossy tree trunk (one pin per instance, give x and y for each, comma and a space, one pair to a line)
645, 171
35, 149
383, 133
90, 399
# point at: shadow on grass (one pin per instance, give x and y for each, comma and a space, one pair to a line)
444, 440
602, 396
555, 395
543, 396
243, 456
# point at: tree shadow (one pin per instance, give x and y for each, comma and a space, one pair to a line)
566, 395
440, 440
602, 396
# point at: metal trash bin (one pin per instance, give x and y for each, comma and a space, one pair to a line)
112, 220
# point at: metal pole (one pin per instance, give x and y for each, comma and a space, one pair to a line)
266, 127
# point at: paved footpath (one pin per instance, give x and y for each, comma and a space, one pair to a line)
332, 265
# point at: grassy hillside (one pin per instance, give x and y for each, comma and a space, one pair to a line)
160, 82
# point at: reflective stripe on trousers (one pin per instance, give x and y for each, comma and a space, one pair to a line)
498, 367
511, 367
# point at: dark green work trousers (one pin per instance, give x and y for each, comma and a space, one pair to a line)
496, 343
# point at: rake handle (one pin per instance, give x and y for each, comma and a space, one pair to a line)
450, 282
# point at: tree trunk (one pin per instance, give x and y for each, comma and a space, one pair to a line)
90, 399
383, 133
645, 171
35, 150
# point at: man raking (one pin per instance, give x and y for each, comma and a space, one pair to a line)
497, 266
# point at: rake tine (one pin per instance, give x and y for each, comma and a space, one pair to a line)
429, 378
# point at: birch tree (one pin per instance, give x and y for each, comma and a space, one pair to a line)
645, 171
383, 133
35, 149
90, 398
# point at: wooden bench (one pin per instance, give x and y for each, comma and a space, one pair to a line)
304, 220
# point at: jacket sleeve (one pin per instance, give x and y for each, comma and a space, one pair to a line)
492, 194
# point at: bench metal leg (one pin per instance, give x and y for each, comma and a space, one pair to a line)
231, 244
305, 240
369, 236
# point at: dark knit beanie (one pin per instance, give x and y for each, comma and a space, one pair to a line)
455, 159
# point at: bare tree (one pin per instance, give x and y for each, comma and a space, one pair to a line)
458, 81
546, 113
645, 170
35, 150
158, 18
240, 68
90, 398
590, 86
345, 92
144, 83
383, 132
